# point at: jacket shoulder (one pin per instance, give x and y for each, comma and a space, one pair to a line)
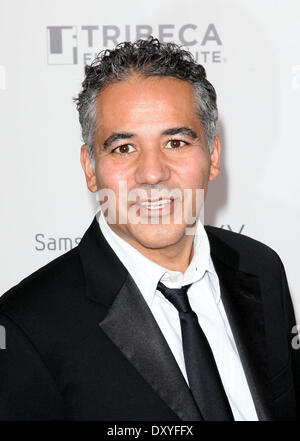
50, 285
253, 254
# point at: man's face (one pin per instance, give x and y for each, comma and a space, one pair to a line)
150, 138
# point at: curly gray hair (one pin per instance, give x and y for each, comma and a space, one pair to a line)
149, 58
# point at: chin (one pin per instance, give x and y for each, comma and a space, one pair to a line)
158, 236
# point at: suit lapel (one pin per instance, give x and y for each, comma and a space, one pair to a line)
241, 297
130, 324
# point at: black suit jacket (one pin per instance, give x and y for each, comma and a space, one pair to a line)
82, 344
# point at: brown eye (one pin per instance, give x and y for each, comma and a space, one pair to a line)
176, 143
123, 149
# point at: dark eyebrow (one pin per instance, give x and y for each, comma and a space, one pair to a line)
180, 131
116, 136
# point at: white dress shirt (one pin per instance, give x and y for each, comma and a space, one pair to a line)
205, 300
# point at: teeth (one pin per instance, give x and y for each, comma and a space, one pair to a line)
156, 204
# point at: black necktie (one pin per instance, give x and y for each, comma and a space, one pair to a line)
202, 372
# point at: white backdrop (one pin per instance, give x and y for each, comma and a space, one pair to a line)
250, 49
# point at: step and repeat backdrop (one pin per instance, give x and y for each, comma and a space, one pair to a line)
250, 50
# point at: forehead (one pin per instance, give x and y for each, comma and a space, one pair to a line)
146, 100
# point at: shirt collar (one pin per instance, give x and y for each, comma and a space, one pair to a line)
144, 271
147, 273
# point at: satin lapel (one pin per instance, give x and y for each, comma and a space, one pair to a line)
132, 328
241, 297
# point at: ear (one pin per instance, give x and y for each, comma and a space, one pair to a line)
88, 169
215, 159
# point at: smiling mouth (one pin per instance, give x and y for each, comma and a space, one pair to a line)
158, 207
155, 204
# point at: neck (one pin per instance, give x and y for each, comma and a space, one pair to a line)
175, 257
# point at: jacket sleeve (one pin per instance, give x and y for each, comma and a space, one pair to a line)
292, 337
27, 389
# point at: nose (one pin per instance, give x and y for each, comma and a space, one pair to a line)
152, 167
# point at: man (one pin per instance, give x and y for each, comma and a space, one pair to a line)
152, 316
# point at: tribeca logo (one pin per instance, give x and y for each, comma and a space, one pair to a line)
72, 45
62, 45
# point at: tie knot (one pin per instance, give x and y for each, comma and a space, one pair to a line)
177, 296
